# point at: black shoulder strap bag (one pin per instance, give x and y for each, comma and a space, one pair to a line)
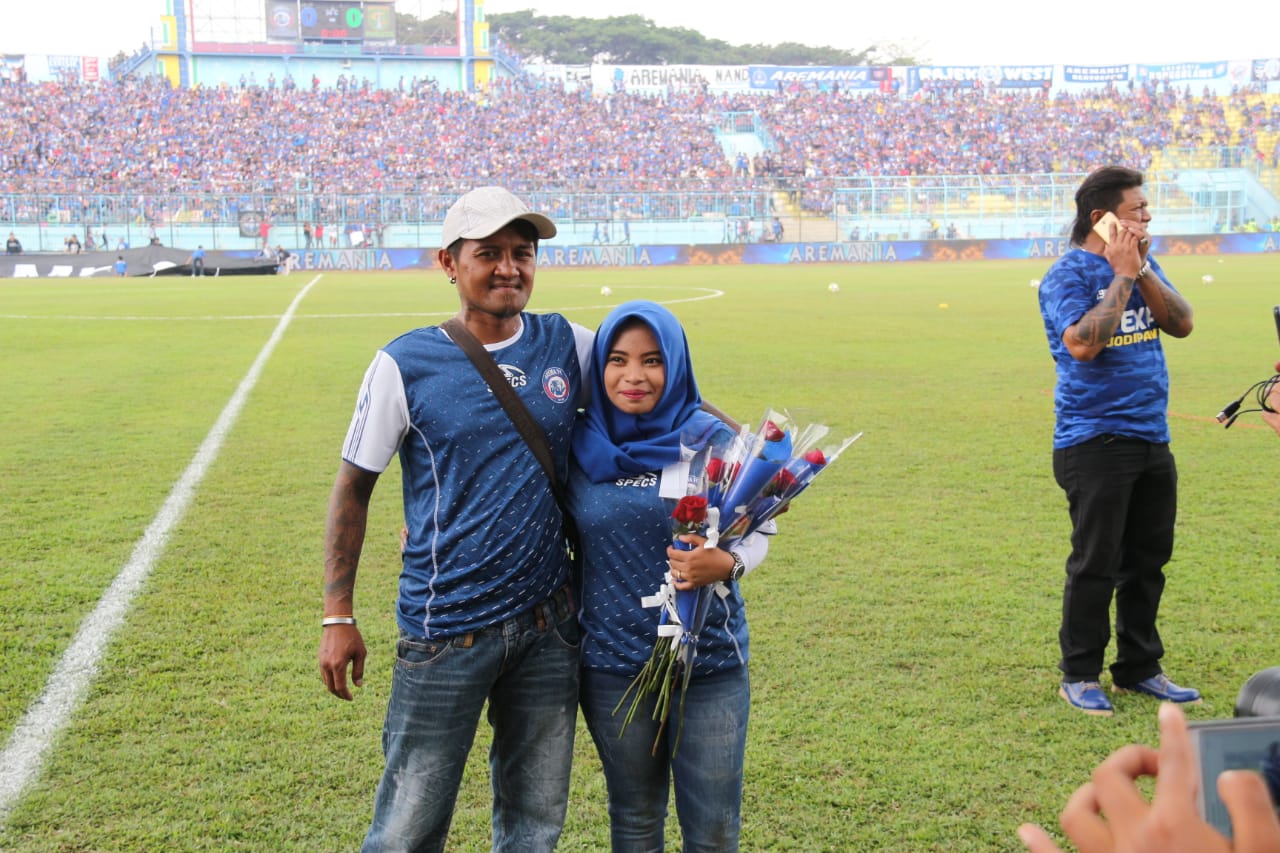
525, 425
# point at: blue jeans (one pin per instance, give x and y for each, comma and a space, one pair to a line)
527, 669
1122, 495
707, 767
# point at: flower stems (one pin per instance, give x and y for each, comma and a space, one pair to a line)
658, 677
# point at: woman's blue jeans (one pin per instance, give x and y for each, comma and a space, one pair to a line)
527, 669
706, 768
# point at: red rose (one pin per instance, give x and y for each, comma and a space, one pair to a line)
692, 509
772, 432
782, 481
815, 457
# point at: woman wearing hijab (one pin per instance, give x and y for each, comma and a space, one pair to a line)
623, 486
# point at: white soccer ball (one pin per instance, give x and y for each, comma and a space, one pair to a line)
833, 287
606, 291
1206, 279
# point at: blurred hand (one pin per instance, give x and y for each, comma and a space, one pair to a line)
1273, 400
1110, 815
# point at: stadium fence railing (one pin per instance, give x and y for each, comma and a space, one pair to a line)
1185, 200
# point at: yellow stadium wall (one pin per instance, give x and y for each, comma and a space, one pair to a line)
171, 69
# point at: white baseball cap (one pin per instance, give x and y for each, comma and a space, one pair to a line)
487, 210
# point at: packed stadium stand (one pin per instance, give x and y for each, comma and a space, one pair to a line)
151, 161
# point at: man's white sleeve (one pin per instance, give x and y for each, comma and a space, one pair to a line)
381, 418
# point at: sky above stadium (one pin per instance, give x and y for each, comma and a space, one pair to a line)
940, 32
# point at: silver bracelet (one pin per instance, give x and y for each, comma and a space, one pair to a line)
1146, 268
337, 620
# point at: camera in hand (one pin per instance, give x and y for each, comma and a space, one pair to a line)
1251, 741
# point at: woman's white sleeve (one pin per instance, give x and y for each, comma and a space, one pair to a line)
752, 549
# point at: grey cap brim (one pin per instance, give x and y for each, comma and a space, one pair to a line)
487, 210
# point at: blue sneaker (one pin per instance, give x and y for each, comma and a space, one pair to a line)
1161, 688
1087, 696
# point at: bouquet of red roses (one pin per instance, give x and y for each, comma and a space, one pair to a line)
737, 483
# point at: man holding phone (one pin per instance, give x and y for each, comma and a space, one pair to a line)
1105, 304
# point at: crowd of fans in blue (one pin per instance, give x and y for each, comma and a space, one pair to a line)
70, 146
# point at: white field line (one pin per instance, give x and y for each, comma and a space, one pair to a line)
35, 733
706, 293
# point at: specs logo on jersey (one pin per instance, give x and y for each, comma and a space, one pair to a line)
644, 481
514, 375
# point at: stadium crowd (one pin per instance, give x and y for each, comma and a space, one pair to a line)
145, 139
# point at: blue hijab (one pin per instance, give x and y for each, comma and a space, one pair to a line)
608, 443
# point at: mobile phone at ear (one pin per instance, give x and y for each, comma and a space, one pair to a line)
1103, 226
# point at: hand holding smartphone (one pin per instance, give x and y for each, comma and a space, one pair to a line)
1103, 226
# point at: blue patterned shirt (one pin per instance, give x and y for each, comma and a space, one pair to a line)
1125, 390
626, 527
484, 529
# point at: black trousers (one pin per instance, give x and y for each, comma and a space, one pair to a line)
1122, 494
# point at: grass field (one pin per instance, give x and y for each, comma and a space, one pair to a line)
903, 628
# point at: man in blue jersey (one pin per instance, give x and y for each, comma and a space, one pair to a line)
485, 611
1105, 304
197, 260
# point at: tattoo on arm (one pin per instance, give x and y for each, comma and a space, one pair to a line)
1173, 311
342, 556
1177, 311
1100, 322
345, 531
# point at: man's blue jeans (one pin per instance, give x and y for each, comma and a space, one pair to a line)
707, 766
527, 669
